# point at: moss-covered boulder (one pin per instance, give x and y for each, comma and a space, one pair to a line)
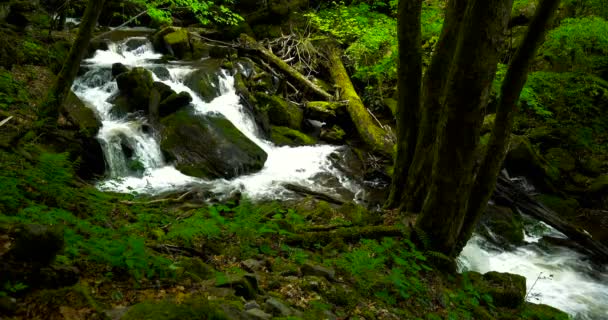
502, 226
208, 146
533, 311
174, 102
523, 159
280, 112
178, 43
192, 308
283, 136
333, 134
599, 185
205, 81
565, 207
37, 243
506, 289
135, 87
324, 111
81, 116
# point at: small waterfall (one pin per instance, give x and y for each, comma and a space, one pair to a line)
126, 142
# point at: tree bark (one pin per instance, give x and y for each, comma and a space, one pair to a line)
433, 95
248, 43
514, 81
375, 137
409, 83
62, 86
467, 91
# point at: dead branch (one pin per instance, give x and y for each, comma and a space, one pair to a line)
157, 201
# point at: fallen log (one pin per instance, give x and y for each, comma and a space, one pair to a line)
303, 191
374, 136
352, 234
508, 194
249, 44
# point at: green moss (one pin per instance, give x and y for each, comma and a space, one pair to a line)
193, 308
565, 207
284, 136
600, 184
542, 312
561, 159
280, 112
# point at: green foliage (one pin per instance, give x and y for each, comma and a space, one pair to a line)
206, 11
391, 268
578, 44
465, 301
12, 92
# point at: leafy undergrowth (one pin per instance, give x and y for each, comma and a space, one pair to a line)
173, 254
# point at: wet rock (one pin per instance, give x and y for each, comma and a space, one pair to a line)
178, 43
135, 87
37, 243
280, 112
309, 269
208, 146
205, 81
522, 159
134, 43
284, 136
118, 69
173, 103
258, 314
162, 73
81, 116
95, 45
333, 134
278, 308
541, 312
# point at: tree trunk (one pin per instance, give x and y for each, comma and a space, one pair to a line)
467, 91
408, 109
375, 137
435, 80
512, 85
62, 86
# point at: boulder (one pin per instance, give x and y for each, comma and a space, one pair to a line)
245, 286
81, 116
206, 80
332, 134
522, 159
134, 43
208, 146
309, 269
506, 289
164, 90
135, 87
161, 72
118, 69
323, 110
178, 43
173, 103
280, 112
283, 136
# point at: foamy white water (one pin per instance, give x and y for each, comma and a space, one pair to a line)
556, 276
299, 165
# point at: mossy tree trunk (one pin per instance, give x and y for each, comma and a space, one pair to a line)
375, 137
62, 86
440, 179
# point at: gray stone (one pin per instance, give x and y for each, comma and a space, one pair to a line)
258, 314
309, 269
253, 265
278, 308
252, 305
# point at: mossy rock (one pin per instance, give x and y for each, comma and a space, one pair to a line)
502, 226
37, 243
205, 81
283, 136
174, 102
488, 123
333, 134
193, 308
506, 289
523, 159
533, 311
561, 159
591, 166
208, 146
135, 87
81, 115
178, 43
599, 185
280, 112
392, 105
324, 111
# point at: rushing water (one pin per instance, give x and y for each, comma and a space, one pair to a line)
300, 165
556, 276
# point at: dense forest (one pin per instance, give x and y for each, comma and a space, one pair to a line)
276, 159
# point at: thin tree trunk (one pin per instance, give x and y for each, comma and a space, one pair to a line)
435, 80
61, 88
467, 92
514, 81
375, 137
408, 109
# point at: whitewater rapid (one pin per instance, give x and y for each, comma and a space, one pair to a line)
296, 165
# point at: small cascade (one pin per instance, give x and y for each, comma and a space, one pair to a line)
130, 149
